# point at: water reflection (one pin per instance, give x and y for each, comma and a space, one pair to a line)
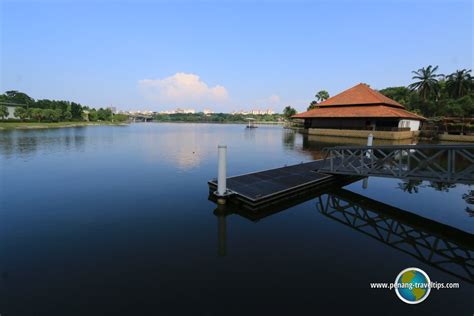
221, 214
413, 186
181, 148
469, 198
24, 144
410, 186
289, 138
313, 145
444, 247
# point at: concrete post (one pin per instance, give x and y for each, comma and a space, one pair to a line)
370, 140
222, 170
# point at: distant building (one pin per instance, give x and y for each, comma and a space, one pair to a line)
358, 112
113, 109
166, 112
11, 110
185, 111
208, 112
253, 112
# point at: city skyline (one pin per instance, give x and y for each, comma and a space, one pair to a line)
253, 111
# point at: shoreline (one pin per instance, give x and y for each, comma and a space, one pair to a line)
5, 126
8, 126
210, 122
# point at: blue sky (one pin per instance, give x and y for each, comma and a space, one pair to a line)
225, 55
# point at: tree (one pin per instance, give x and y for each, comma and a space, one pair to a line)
58, 115
120, 117
459, 83
402, 95
289, 111
93, 115
21, 112
322, 95
76, 111
67, 115
3, 111
49, 114
427, 84
312, 105
44, 104
19, 98
104, 114
37, 114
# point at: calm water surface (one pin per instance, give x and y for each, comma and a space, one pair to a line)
116, 220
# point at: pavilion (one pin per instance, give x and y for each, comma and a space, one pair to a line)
359, 111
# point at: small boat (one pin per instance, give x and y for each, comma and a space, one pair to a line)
251, 123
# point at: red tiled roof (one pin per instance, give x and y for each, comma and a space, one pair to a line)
360, 94
382, 111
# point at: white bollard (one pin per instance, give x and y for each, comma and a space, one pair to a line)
222, 170
370, 140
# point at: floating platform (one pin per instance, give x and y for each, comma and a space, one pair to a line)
263, 187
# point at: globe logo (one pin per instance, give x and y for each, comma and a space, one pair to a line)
412, 285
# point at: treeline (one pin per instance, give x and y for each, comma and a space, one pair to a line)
433, 94
29, 109
215, 117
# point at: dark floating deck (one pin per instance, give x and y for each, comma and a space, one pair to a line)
264, 186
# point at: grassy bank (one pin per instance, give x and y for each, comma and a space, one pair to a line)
40, 125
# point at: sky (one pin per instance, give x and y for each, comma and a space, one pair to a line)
224, 55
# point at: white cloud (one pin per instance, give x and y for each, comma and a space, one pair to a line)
182, 89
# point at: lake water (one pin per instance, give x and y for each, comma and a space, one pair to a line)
116, 220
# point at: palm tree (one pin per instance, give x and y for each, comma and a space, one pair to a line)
459, 83
427, 83
322, 95
289, 111
312, 105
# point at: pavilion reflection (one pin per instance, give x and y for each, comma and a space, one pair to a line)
444, 247
313, 145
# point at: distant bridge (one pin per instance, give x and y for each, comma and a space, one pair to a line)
441, 163
140, 117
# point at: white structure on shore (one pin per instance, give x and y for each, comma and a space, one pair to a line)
11, 110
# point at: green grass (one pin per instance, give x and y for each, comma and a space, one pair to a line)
35, 125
